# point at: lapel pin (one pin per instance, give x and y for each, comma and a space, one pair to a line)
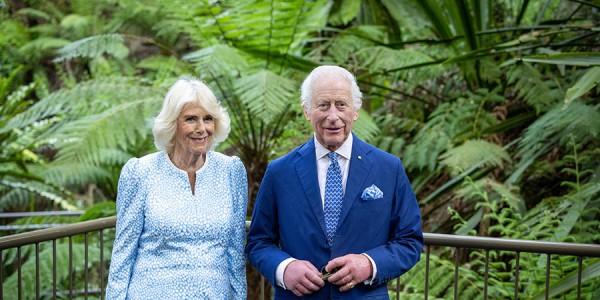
359, 157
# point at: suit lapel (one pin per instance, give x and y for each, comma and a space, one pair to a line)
305, 164
360, 165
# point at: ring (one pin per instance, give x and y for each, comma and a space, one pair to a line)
351, 284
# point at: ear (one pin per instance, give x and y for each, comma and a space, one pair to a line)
306, 113
355, 117
305, 110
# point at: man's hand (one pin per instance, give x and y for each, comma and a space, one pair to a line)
302, 278
353, 269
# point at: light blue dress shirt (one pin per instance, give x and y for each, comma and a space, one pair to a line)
172, 244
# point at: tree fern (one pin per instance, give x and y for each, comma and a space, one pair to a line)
219, 60
266, 94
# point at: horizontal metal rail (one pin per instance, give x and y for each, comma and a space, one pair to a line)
432, 239
43, 235
41, 213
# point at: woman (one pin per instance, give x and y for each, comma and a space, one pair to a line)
181, 211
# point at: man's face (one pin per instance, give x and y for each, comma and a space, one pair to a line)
331, 112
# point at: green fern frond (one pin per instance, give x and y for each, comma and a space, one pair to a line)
77, 24
342, 46
90, 97
35, 14
19, 194
576, 120
392, 61
14, 34
219, 59
36, 48
424, 152
537, 91
76, 173
365, 127
473, 152
99, 210
266, 94
164, 64
94, 46
84, 139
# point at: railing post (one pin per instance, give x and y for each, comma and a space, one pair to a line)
101, 264
19, 287
85, 268
37, 270
427, 272
487, 269
456, 273
518, 258
548, 258
54, 269
579, 267
70, 267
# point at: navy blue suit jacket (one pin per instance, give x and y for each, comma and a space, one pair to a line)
288, 219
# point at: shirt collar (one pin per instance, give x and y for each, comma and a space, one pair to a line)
345, 150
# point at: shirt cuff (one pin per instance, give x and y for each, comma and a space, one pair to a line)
279, 272
370, 281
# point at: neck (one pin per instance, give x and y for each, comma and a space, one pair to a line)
188, 163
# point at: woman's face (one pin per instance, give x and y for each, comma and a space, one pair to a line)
194, 133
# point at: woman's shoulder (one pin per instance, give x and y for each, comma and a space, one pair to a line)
220, 158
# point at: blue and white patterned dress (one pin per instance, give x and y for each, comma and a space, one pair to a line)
171, 244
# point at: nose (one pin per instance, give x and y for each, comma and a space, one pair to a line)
200, 127
332, 114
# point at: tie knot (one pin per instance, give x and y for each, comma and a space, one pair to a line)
333, 156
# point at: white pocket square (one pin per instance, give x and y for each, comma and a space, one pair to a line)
372, 193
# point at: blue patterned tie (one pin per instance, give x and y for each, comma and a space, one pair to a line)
333, 196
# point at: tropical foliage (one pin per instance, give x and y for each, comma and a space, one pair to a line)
492, 106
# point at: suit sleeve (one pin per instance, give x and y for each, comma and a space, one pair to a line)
130, 222
262, 247
237, 261
403, 249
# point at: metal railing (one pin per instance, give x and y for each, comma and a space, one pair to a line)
18, 242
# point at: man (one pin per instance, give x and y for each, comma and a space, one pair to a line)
335, 217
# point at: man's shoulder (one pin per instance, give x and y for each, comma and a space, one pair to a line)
373, 150
289, 157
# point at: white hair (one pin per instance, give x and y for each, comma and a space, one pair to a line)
185, 91
327, 72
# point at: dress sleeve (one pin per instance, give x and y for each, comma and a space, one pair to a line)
238, 183
130, 222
